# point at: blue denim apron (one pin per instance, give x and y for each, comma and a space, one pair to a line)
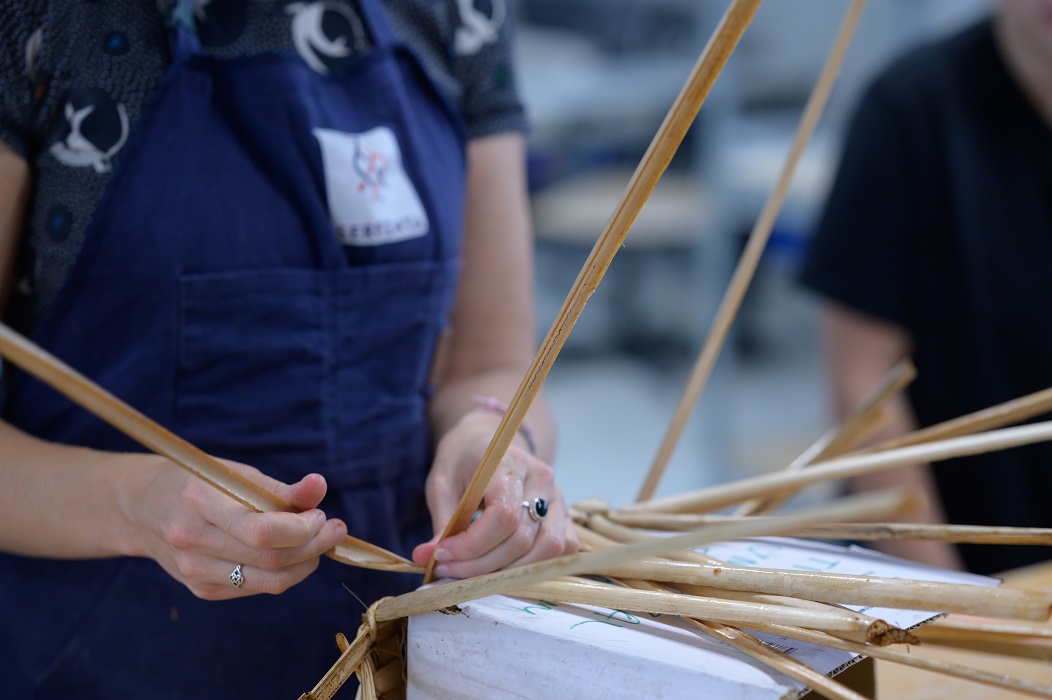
232, 289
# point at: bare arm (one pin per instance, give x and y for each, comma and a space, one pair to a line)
493, 340
51, 504
491, 347
64, 502
14, 193
860, 350
80, 521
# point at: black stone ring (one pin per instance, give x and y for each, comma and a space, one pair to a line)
537, 510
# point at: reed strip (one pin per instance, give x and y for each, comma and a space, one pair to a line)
717, 497
750, 258
453, 593
614, 534
847, 589
819, 683
665, 603
963, 534
377, 654
367, 678
753, 647
1007, 413
1001, 629
77, 388
866, 417
390, 677
878, 631
835, 588
350, 659
1018, 639
996, 680
653, 164
1019, 648
853, 428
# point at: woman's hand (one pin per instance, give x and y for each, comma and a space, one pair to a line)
198, 534
504, 535
491, 345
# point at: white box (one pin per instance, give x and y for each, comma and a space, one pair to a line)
501, 647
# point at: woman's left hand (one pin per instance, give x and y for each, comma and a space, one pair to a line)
504, 535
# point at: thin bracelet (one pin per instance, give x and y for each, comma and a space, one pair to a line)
495, 405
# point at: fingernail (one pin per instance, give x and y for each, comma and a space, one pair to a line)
441, 572
441, 554
317, 518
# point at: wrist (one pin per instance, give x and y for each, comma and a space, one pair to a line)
134, 473
493, 405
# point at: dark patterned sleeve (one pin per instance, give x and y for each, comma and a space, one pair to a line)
483, 65
21, 25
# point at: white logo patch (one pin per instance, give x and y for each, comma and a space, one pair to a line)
308, 34
371, 199
477, 28
78, 149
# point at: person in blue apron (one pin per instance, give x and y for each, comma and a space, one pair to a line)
283, 242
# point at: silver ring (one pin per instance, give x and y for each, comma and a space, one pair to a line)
236, 577
537, 509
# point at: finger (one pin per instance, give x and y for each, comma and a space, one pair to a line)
257, 530
500, 520
544, 540
503, 514
278, 558
423, 551
555, 537
303, 495
214, 543
443, 497
242, 580
505, 533
273, 530
441, 503
306, 493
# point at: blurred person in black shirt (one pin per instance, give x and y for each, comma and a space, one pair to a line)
936, 244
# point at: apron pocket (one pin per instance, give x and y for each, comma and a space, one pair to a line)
294, 371
253, 360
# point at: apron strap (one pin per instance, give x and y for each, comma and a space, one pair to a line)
376, 22
183, 28
181, 14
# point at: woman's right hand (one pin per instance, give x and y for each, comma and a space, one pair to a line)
198, 534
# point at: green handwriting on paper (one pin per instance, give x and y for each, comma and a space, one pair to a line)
758, 554
772, 556
529, 609
611, 619
818, 564
614, 618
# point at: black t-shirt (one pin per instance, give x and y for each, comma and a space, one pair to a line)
940, 221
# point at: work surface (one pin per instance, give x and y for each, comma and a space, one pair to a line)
902, 683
